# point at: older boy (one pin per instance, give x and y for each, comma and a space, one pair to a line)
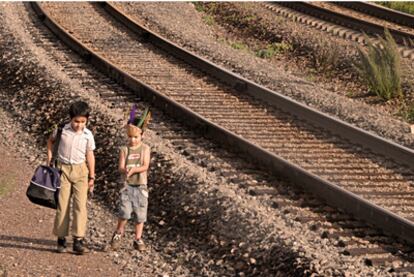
76, 160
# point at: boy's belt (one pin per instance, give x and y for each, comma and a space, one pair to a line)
133, 185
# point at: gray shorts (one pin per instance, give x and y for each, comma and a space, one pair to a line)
134, 199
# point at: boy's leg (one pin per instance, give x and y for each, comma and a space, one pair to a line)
61, 224
80, 195
139, 227
140, 208
120, 228
138, 242
116, 237
124, 213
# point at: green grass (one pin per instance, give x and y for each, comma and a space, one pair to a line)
407, 7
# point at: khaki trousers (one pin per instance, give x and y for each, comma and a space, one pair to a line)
73, 184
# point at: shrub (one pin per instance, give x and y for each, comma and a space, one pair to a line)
325, 55
380, 67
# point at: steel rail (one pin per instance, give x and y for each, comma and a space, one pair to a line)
347, 21
379, 11
331, 193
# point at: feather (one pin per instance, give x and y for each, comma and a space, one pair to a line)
143, 116
146, 121
132, 114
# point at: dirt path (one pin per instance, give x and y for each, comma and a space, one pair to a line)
27, 246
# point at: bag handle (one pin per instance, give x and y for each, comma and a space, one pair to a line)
56, 145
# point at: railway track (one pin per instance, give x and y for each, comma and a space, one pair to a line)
258, 123
351, 20
382, 12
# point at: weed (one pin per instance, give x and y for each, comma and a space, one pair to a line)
407, 112
380, 67
208, 19
238, 45
310, 77
221, 40
199, 7
3, 271
250, 18
273, 49
349, 94
325, 55
6, 183
404, 6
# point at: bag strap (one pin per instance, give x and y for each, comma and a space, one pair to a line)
56, 145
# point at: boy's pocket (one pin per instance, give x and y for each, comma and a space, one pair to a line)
123, 194
144, 193
143, 198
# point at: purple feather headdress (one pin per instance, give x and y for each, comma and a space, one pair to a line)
139, 122
132, 114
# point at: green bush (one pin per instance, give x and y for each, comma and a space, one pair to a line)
380, 67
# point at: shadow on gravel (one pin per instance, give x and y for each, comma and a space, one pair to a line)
27, 243
206, 231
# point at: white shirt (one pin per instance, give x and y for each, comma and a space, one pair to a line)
73, 146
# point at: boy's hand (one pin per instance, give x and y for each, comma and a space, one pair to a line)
91, 186
129, 172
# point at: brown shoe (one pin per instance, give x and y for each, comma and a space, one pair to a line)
139, 245
116, 241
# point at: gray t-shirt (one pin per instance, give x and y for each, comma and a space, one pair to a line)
73, 146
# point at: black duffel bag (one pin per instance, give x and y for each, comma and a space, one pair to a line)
45, 184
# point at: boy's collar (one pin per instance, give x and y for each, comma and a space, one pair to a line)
69, 126
136, 146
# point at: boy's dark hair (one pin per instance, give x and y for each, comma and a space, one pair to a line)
79, 108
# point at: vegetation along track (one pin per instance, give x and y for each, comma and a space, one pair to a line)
334, 159
351, 20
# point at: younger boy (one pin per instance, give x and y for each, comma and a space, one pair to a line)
76, 160
133, 164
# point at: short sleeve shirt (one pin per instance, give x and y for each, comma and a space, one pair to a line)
74, 146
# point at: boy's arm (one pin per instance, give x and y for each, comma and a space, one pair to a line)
50, 142
90, 159
144, 167
121, 163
